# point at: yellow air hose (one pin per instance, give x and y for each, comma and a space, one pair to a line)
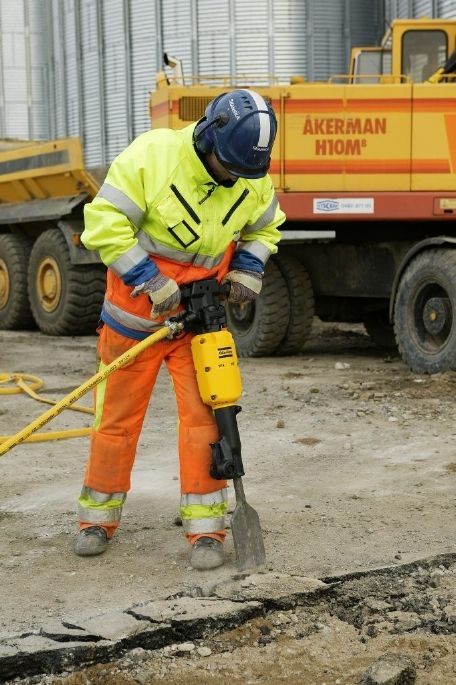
11, 441
24, 382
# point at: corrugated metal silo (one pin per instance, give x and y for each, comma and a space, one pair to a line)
446, 8
145, 44
177, 30
253, 39
268, 37
413, 9
291, 37
88, 65
104, 64
24, 109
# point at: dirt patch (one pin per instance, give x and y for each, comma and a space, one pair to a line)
307, 441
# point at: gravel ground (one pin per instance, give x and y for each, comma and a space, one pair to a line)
350, 464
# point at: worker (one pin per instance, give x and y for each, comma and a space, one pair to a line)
176, 207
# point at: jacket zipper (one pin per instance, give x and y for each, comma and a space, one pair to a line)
239, 201
185, 204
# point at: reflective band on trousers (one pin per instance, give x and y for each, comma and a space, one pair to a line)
256, 248
204, 513
156, 248
266, 218
130, 320
122, 202
100, 507
209, 525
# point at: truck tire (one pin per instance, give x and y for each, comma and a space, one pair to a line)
302, 304
258, 327
379, 329
425, 312
15, 312
65, 298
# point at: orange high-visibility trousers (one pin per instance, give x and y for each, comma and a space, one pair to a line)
121, 402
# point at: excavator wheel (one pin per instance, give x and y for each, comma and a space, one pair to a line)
425, 312
259, 327
300, 293
15, 312
65, 298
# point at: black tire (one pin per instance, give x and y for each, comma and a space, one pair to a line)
15, 312
65, 298
379, 329
302, 304
424, 312
258, 327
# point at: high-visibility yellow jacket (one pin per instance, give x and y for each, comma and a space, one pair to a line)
160, 210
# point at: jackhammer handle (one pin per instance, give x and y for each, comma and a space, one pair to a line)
226, 451
224, 289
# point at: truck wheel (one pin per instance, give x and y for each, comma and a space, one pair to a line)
379, 329
65, 298
258, 327
300, 293
15, 309
424, 312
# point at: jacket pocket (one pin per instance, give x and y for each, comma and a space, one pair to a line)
173, 216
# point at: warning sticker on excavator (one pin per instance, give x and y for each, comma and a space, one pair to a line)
448, 203
349, 205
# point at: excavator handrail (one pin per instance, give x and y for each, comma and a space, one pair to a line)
226, 80
382, 78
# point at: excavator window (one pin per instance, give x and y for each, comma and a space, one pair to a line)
370, 64
423, 52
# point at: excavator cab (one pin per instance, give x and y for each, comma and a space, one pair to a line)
421, 47
423, 53
411, 51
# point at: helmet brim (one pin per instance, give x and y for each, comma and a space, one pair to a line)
243, 172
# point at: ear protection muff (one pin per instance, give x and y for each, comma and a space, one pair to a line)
203, 136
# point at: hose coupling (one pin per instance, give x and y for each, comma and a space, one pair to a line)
175, 327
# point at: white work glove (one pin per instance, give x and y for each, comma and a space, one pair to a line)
163, 292
245, 285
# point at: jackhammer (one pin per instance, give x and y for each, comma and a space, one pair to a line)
220, 386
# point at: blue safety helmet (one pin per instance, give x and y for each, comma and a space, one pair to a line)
239, 127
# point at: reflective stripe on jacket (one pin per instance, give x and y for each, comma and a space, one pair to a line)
159, 207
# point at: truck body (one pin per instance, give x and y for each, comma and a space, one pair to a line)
47, 278
364, 167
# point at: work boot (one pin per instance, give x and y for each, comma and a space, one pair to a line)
91, 541
206, 553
